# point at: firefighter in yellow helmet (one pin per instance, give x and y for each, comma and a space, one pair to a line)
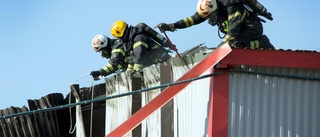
112, 49
146, 46
243, 28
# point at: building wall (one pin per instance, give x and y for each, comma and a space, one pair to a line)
274, 102
119, 109
190, 108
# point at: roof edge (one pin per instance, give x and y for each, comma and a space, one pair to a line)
275, 58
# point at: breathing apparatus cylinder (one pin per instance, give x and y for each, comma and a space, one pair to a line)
258, 7
153, 34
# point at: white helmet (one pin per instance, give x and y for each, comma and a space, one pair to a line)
99, 41
205, 7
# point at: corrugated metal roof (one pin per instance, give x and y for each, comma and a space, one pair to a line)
297, 50
47, 124
273, 58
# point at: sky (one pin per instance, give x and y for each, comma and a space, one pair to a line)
46, 45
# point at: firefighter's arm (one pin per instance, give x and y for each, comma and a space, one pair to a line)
183, 23
102, 72
189, 21
115, 63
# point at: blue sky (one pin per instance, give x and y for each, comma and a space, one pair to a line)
45, 45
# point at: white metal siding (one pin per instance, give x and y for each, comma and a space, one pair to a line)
192, 103
191, 109
151, 126
119, 109
274, 106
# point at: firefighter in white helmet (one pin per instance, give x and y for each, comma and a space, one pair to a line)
112, 49
242, 27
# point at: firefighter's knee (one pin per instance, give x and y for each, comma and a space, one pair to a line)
265, 43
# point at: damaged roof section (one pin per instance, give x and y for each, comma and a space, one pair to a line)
45, 124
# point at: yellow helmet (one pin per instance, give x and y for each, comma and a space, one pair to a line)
118, 28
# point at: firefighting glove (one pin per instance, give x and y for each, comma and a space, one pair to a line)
165, 27
95, 75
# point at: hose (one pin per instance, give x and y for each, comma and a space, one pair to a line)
108, 97
72, 129
91, 117
221, 37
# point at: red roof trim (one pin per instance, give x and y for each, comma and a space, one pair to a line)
275, 58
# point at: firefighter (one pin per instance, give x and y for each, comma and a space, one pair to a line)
112, 49
242, 27
145, 48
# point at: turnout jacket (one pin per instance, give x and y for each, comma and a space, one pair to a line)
144, 50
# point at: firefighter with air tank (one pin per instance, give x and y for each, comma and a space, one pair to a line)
136, 47
145, 44
238, 19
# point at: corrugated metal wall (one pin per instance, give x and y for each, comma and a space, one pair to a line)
191, 104
190, 107
151, 127
274, 102
119, 109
